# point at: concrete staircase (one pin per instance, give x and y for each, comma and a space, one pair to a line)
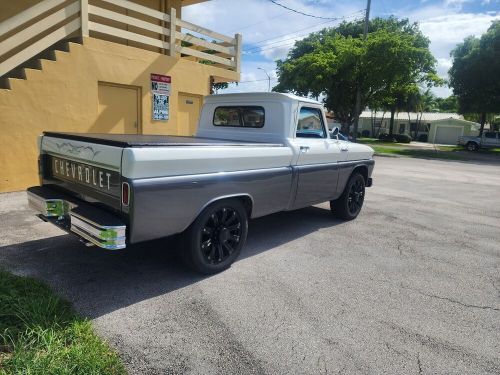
36, 62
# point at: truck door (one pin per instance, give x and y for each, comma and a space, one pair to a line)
490, 139
317, 163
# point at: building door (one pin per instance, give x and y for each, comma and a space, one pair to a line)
188, 113
118, 109
448, 135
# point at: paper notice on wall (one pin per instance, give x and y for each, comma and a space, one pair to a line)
160, 92
160, 107
160, 84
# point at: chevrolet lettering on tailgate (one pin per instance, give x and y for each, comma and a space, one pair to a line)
84, 174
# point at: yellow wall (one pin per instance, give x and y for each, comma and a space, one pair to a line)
63, 96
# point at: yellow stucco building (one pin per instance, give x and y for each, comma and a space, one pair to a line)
87, 66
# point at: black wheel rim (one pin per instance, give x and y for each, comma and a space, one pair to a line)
221, 235
356, 196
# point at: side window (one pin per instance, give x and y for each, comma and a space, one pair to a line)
253, 117
490, 135
239, 116
227, 116
310, 123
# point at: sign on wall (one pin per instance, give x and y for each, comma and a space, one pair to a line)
160, 93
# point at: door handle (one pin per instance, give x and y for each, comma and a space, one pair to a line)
344, 149
304, 149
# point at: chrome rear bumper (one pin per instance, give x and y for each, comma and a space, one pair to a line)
93, 225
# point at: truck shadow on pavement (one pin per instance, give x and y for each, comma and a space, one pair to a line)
98, 281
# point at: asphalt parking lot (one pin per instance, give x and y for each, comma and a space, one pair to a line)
410, 287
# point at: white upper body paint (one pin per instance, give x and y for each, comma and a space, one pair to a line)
279, 145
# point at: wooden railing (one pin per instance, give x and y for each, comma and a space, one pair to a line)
32, 31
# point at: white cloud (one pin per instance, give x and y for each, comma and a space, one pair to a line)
259, 20
268, 30
456, 3
452, 29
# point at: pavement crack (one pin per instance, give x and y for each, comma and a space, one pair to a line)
419, 364
452, 300
459, 302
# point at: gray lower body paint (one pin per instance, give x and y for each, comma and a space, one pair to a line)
168, 205
319, 183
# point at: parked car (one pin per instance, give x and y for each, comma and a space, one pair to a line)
488, 140
253, 155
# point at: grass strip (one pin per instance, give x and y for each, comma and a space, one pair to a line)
41, 334
438, 152
435, 154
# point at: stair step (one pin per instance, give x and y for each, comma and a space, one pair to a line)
17, 73
35, 62
4, 83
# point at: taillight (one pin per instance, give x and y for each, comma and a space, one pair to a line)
125, 193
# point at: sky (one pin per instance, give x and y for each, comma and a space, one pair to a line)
269, 31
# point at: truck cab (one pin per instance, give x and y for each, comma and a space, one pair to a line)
487, 140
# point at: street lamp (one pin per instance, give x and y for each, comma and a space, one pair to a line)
268, 80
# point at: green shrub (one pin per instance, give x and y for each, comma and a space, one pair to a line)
386, 137
422, 137
402, 138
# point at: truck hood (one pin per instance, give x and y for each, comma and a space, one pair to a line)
359, 151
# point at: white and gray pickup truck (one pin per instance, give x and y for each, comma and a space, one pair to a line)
487, 140
254, 154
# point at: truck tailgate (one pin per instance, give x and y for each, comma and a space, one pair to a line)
86, 169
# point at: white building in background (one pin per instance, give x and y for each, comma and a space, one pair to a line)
441, 128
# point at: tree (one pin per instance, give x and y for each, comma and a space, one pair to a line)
449, 104
333, 62
475, 74
216, 86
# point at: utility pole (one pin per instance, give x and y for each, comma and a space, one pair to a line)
358, 90
268, 80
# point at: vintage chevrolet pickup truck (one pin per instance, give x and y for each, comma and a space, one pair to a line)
254, 154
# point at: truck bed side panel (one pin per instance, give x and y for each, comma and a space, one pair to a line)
176, 161
168, 205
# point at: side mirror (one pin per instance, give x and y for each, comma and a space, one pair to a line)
334, 133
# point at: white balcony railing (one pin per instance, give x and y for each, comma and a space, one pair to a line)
34, 30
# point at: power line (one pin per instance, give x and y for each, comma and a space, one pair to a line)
356, 14
279, 36
256, 80
270, 46
302, 13
287, 44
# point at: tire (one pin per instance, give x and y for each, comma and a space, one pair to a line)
349, 204
471, 146
215, 239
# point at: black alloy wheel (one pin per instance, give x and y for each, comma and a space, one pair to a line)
356, 196
472, 146
221, 235
349, 204
215, 239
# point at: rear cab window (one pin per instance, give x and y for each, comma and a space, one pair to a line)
239, 116
310, 124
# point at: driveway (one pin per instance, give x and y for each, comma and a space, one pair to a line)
410, 287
